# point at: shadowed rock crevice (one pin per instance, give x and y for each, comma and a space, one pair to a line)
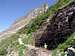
61, 26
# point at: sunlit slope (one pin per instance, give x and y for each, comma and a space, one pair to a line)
26, 33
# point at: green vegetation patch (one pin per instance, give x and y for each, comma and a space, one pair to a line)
63, 46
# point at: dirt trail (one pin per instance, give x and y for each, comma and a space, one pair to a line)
36, 51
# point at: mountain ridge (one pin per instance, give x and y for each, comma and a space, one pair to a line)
20, 23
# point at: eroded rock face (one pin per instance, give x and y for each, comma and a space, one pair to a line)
61, 25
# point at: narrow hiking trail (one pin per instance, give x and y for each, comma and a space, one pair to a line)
34, 51
37, 51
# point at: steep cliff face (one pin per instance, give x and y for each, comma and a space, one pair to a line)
59, 28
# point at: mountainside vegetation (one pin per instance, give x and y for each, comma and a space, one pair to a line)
10, 44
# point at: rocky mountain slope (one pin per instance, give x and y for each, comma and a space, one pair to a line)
47, 34
21, 22
59, 27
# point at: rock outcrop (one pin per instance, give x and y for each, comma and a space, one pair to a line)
61, 25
